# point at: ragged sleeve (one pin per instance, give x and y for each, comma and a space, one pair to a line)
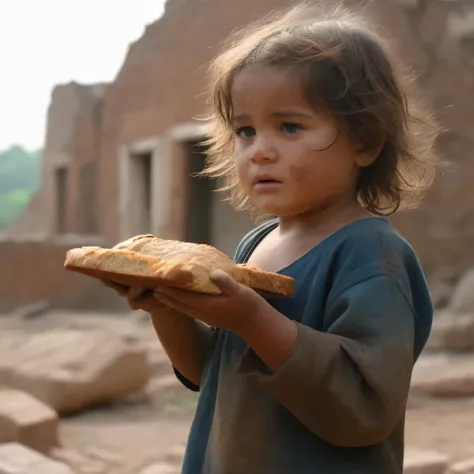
349, 385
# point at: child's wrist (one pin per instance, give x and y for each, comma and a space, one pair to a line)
247, 323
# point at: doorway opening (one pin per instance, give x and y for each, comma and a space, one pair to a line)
86, 205
210, 219
198, 225
141, 192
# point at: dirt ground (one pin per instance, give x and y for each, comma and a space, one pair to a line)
136, 435
152, 426
140, 434
443, 425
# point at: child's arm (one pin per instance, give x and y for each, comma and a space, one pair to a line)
348, 385
185, 340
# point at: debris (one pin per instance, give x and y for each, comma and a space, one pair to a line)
425, 462
160, 468
30, 311
18, 459
70, 370
26, 420
444, 375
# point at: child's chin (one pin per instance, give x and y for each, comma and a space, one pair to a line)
274, 210
267, 209
274, 205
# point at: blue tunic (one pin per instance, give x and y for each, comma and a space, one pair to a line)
364, 314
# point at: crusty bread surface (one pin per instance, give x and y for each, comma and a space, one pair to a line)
148, 262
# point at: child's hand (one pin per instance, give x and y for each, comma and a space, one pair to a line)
137, 298
235, 307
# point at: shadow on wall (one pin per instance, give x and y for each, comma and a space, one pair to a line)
33, 271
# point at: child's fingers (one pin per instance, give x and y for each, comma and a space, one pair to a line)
120, 289
146, 302
137, 298
135, 292
224, 282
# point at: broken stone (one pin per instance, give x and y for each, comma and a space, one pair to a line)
452, 332
441, 322
176, 454
160, 468
440, 292
444, 375
458, 335
72, 369
78, 462
28, 421
103, 455
159, 360
462, 467
165, 385
425, 462
462, 301
33, 310
18, 459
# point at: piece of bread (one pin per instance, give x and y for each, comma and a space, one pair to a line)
146, 261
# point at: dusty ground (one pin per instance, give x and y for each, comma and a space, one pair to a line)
145, 428
444, 425
137, 435
142, 434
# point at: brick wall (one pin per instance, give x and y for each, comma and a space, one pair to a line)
163, 76
161, 82
85, 149
33, 270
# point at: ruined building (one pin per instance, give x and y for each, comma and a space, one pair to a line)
118, 157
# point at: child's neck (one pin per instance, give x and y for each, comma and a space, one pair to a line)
325, 220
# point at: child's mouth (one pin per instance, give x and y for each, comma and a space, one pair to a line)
267, 184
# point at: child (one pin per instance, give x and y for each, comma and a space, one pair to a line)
310, 124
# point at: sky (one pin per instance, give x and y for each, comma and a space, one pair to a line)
49, 42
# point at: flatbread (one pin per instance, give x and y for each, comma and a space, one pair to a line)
146, 261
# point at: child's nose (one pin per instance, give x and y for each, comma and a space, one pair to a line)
263, 150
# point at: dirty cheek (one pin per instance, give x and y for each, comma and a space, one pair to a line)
297, 173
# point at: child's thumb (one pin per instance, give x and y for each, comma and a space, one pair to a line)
224, 282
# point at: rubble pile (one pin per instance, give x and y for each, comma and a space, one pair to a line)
66, 363
62, 363
447, 367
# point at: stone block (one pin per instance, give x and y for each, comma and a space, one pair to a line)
18, 459
70, 370
462, 301
425, 462
160, 468
28, 421
462, 467
80, 463
176, 454
444, 375
452, 332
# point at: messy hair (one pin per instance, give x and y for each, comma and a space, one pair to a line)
346, 67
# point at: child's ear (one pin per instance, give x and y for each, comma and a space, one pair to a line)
366, 155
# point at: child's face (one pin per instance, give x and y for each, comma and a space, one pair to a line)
288, 159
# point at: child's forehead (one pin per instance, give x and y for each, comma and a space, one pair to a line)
258, 87
258, 78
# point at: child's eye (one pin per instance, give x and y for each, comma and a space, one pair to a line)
245, 132
290, 128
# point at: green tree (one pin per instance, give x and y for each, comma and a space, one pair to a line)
19, 179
